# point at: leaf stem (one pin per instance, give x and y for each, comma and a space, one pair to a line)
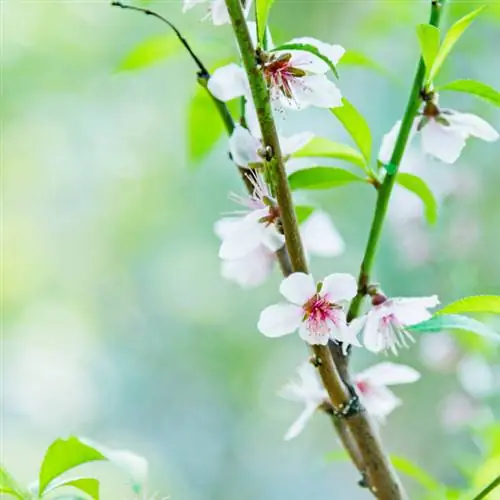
376, 467
385, 191
488, 489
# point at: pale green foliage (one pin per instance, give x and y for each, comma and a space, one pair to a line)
322, 178
88, 485
356, 58
475, 88
429, 38
149, 52
262, 9
419, 187
325, 148
356, 125
303, 212
475, 304
451, 38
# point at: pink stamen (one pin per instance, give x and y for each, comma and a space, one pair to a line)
318, 312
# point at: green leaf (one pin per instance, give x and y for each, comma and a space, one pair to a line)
322, 178
303, 212
9, 486
473, 87
325, 148
454, 322
410, 469
262, 9
429, 38
356, 125
63, 455
355, 58
308, 48
451, 38
417, 186
474, 304
88, 485
149, 52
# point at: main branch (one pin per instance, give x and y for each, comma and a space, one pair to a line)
381, 478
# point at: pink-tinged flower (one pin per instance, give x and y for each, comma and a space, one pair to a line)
317, 311
256, 226
319, 236
246, 147
217, 10
385, 325
371, 385
296, 79
307, 391
443, 133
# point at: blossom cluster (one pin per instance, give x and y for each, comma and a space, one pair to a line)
298, 77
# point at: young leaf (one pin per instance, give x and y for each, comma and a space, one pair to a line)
262, 9
410, 469
63, 455
429, 38
454, 322
322, 178
308, 48
417, 186
355, 58
9, 486
451, 38
475, 304
149, 52
303, 212
473, 87
325, 148
88, 485
357, 127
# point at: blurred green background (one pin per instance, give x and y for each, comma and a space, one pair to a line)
116, 323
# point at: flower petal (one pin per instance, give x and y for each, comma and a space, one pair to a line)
373, 339
388, 374
443, 142
410, 311
339, 287
298, 288
244, 147
189, 4
271, 238
315, 334
245, 237
228, 82
316, 90
320, 237
279, 319
380, 402
251, 270
313, 63
298, 426
473, 125
225, 226
220, 15
292, 144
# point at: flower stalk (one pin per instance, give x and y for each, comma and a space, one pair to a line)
380, 476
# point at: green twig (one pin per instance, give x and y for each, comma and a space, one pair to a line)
488, 489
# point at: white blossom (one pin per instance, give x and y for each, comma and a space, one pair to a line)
371, 385
384, 326
317, 311
307, 391
296, 78
217, 10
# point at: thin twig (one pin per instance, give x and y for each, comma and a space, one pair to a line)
488, 489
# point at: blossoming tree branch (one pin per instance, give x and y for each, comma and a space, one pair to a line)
339, 313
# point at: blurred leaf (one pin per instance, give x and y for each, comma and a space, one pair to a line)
9, 486
262, 9
429, 38
308, 48
451, 38
487, 475
357, 127
303, 212
322, 178
88, 485
454, 322
63, 455
474, 304
410, 469
473, 87
149, 52
205, 126
355, 58
321, 147
418, 186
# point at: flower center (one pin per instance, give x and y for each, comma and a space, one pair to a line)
318, 310
279, 73
362, 386
272, 217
